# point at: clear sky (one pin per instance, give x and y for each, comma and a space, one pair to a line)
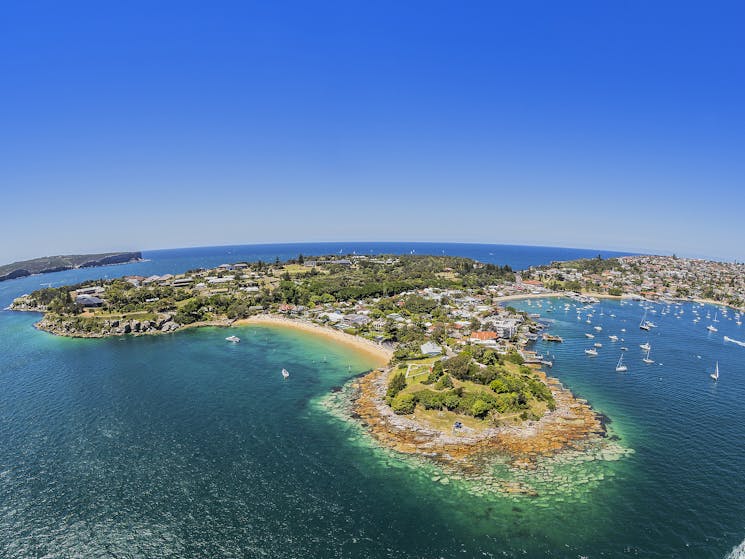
600, 124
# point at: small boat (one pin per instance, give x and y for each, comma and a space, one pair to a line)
592, 352
599, 328
624, 348
598, 344
591, 336
645, 346
285, 373
551, 338
647, 360
715, 374
620, 367
613, 338
644, 325
233, 339
712, 328
738, 342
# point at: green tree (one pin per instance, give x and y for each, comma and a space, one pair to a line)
396, 384
404, 403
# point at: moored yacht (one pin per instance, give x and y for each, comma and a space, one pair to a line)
620, 366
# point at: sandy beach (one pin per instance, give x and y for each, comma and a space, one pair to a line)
382, 355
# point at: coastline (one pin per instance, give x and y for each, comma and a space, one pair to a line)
381, 354
572, 426
553, 294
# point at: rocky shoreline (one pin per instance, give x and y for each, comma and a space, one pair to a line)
572, 426
163, 324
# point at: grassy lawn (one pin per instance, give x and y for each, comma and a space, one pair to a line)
443, 420
294, 269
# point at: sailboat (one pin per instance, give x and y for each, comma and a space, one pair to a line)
647, 360
285, 373
715, 374
643, 325
620, 367
645, 346
712, 328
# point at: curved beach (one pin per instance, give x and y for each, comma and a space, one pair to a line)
382, 355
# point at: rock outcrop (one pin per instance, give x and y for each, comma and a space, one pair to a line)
570, 426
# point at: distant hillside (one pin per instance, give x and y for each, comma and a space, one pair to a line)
48, 264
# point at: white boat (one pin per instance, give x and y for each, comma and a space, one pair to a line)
620, 367
712, 328
645, 346
591, 336
234, 339
599, 328
738, 342
285, 373
644, 325
598, 344
592, 352
715, 318
715, 374
647, 360
624, 348
613, 338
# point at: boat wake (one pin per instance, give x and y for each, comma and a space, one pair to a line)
728, 339
738, 552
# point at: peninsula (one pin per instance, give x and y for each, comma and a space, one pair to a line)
460, 380
48, 264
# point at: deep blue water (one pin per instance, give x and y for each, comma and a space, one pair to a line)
186, 446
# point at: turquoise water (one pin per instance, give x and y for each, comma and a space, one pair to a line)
187, 446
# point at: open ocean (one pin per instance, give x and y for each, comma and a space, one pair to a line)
186, 446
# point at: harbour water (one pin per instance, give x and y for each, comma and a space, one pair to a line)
188, 446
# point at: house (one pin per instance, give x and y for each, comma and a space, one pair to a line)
95, 291
182, 282
430, 349
88, 301
483, 336
355, 320
507, 327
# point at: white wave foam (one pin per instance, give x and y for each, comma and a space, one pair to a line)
738, 552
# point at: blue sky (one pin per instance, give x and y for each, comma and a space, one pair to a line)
138, 125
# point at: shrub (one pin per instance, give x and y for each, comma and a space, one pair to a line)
403, 403
451, 400
429, 399
514, 357
396, 384
444, 382
480, 408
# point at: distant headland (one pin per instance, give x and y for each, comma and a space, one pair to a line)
48, 264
